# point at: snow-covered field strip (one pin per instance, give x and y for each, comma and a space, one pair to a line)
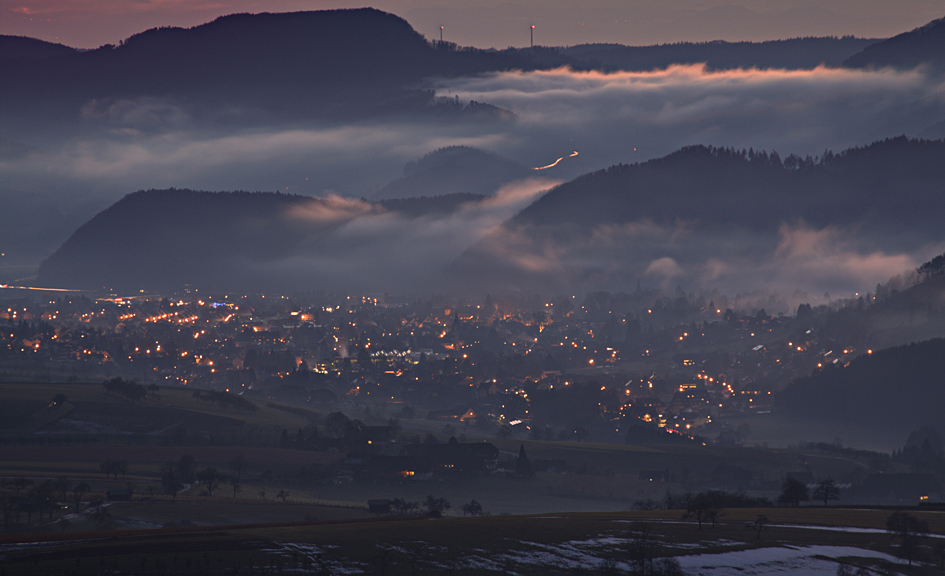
771, 561
842, 529
797, 560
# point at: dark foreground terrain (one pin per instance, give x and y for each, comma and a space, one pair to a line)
806, 540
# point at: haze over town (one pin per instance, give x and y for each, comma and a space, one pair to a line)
621, 288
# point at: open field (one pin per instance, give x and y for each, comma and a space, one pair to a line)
547, 544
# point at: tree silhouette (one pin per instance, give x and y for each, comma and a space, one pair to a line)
436, 506
210, 478
79, 491
758, 524
523, 467
793, 492
910, 531
826, 490
643, 546
472, 508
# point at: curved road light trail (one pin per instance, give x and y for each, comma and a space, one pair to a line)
555, 163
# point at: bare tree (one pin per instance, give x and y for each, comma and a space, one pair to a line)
61, 485
210, 479
701, 508
826, 490
758, 524
79, 491
642, 547
910, 531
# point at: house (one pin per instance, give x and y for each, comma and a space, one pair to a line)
690, 399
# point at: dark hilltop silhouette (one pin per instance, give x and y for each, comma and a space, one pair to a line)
454, 170
168, 238
17, 47
795, 53
628, 214
331, 66
924, 45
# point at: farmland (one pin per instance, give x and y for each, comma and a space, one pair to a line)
811, 539
277, 507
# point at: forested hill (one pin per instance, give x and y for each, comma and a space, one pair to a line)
704, 204
897, 387
14, 47
455, 170
168, 238
795, 53
323, 65
924, 45
721, 187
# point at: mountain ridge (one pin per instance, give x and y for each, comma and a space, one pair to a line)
600, 229
454, 170
922, 45
589, 223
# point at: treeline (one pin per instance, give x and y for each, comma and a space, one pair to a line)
24, 497
714, 499
125, 388
721, 186
793, 53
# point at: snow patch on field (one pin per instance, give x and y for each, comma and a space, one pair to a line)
796, 560
315, 555
568, 555
522, 556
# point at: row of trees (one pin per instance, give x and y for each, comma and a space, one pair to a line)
129, 389
708, 506
22, 496
793, 492
435, 507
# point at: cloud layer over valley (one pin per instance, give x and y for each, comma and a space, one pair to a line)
621, 117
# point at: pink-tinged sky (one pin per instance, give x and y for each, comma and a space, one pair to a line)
498, 23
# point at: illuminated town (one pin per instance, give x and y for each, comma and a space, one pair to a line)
507, 366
